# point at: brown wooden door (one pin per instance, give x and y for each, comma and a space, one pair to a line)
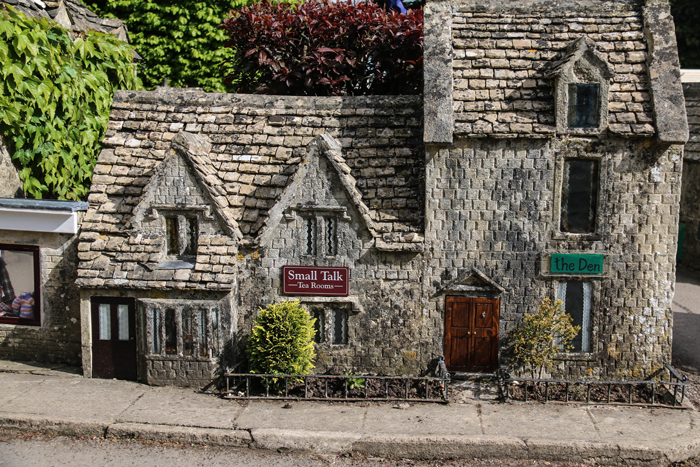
471, 334
113, 339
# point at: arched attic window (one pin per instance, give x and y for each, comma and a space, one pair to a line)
582, 85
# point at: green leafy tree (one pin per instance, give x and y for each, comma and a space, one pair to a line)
543, 335
686, 15
55, 100
178, 39
282, 340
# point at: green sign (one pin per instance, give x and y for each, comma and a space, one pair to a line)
577, 264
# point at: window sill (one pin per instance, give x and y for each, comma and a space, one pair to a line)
575, 356
591, 237
176, 264
14, 322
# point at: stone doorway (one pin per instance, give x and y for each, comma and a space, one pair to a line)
471, 334
113, 338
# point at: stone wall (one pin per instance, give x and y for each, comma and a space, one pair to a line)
57, 340
494, 207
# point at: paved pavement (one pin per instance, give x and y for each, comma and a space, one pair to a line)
55, 400
686, 320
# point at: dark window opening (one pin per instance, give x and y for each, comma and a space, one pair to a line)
340, 326
19, 285
331, 237
311, 236
172, 235
202, 333
579, 196
584, 105
181, 236
576, 296
187, 336
319, 325
170, 332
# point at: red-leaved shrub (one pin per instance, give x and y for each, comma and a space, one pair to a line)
321, 48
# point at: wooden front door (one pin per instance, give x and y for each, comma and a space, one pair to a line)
113, 338
471, 334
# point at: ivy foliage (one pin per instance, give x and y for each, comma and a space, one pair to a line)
543, 335
55, 100
686, 15
177, 39
281, 341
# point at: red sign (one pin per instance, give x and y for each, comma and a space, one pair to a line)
315, 280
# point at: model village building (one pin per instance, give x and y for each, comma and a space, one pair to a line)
544, 159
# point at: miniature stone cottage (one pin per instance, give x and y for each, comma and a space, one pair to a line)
544, 160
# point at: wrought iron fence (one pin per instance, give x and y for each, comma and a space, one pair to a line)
336, 387
645, 393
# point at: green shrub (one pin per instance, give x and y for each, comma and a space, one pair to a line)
55, 100
282, 340
543, 335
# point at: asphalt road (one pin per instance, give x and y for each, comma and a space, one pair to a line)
686, 320
19, 450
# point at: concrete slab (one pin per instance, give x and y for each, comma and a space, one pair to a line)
184, 407
90, 400
333, 418
424, 419
643, 426
539, 421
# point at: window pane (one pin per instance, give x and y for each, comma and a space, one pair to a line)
331, 237
215, 329
191, 233
105, 322
17, 280
170, 332
340, 326
583, 105
319, 325
579, 195
310, 236
172, 236
157, 348
123, 320
576, 296
201, 333
187, 337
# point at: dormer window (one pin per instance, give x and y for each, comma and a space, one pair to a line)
582, 84
181, 236
584, 105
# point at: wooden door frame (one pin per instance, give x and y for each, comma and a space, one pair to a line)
497, 318
94, 327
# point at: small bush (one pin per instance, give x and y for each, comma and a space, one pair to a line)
543, 335
281, 341
326, 48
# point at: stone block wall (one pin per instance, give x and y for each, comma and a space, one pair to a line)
57, 340
493, 206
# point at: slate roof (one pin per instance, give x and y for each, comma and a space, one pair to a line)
257, 144
72, 15
503, 52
